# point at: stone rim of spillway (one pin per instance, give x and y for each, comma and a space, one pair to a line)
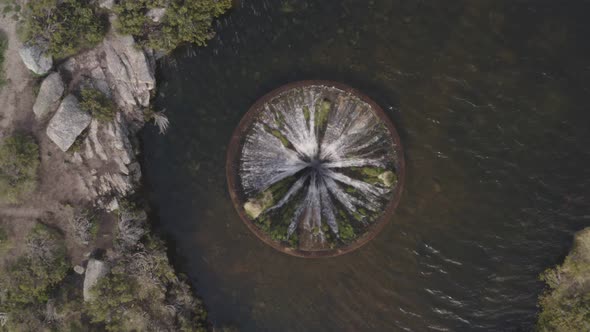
315, 169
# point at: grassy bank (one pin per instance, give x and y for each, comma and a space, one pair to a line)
565, 306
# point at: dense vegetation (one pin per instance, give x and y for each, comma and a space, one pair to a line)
98, 104
40, 292
19, 160
142, 291
565, 306
185, 21
67, 26
31, 279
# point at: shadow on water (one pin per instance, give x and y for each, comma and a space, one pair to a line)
490, 98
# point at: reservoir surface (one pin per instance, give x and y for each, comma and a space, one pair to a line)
491, 100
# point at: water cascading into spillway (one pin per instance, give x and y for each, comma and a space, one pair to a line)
315, 168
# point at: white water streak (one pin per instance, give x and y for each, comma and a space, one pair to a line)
353, 136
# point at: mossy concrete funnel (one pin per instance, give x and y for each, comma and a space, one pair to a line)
315, 169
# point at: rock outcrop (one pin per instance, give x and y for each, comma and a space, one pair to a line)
95, 270
109, 148
68, 123
35, 58
131, 71
49, 95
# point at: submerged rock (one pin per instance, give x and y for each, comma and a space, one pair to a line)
49, 95
95, 270
255, 206
35, 58
388, 178
131, 70
68, 123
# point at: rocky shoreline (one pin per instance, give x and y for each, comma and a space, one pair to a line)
87, 198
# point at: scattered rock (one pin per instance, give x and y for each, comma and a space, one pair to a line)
437, 187
67, 123
131, 70
95, 270
79, 269
49, 95
113, 205
156, 14
34, 57
106, 4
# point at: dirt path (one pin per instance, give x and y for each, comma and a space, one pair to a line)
16, 97
56, 189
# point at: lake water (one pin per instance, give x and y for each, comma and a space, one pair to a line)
491, 101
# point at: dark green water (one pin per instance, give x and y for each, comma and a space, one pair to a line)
491, 101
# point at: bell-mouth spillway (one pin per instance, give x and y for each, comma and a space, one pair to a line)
315, 169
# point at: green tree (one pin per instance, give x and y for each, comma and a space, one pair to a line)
98, 104
68, 26
19, 160
185, 21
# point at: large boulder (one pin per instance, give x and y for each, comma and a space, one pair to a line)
95, 270
68, 123
35, 58
130, 69
49, 95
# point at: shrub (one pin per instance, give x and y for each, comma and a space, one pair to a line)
113, 294
68, 26
98, 104
19, 160
84, 225
29, 281
185, 21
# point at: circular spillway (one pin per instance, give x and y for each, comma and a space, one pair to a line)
315, 169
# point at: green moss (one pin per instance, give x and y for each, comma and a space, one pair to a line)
276, 133
351, 190
372, 171
374, 175
185, 21
280, 119
322, 109
98, 104
68, 25
346, 232
19, 160
357, 216
306, 114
